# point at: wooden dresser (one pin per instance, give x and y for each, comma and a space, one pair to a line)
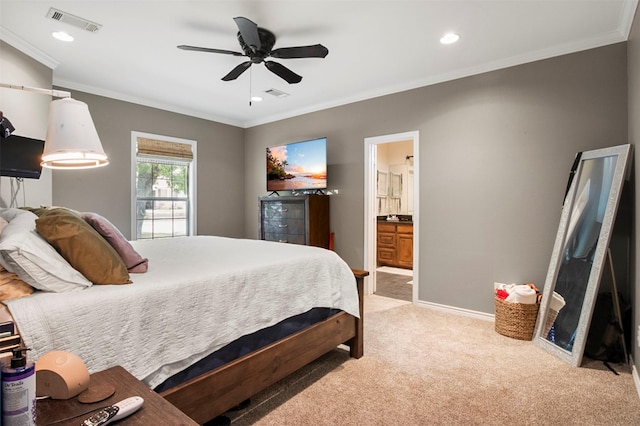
395, 244
301, 219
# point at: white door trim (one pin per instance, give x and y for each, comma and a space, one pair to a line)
370, 162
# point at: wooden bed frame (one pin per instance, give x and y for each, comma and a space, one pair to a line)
221, 389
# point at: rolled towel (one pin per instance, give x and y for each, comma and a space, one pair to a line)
506, 287
557, 302
522, 294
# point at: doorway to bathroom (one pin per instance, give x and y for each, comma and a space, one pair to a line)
391, 215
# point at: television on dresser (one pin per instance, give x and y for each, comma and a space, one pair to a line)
297, 166
21, 157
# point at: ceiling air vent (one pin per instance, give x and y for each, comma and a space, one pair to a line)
277, 93
76, 21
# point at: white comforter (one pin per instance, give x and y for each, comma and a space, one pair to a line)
199, 294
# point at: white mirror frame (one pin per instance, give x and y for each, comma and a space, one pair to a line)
574, 357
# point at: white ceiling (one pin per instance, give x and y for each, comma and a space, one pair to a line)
375, 47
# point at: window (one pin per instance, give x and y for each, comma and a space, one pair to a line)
163, 186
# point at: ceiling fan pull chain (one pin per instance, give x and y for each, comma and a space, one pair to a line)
250, 84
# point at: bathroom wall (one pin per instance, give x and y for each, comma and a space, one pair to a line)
398, 182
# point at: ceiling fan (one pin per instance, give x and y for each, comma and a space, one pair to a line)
257, 44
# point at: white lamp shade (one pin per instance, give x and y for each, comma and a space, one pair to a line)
72, 141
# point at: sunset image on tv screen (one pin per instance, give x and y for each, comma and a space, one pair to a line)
297, 166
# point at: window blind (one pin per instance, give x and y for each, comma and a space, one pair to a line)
163, 160
157, 148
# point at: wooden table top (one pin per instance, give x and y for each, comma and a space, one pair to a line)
155, 410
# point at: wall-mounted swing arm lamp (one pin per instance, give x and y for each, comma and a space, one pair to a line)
72, 141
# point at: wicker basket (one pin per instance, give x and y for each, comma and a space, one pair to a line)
551, 318
516, 320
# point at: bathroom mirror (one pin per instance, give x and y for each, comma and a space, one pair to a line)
580, 250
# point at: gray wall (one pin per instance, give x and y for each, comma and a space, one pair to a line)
28, 112
634, 138
495, 153
107, 190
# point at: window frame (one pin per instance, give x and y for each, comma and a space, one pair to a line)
192, 174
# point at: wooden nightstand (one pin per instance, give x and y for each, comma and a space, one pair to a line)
155, 411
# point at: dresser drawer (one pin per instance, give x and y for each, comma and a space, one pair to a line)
386, 227
285, 238
386, 239
278, 210
404, 228
284, 226
386, 256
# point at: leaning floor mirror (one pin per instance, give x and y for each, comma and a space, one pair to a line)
580, 250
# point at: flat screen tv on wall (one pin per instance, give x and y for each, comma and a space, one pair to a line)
21, 157
298, 166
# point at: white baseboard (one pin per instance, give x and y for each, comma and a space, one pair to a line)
458, 311
634, 373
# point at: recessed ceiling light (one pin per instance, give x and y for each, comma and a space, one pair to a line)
61, 35
256, 99
449, 38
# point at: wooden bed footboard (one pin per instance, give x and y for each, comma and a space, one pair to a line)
216, 391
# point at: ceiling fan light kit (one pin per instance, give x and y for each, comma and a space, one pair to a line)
257, 44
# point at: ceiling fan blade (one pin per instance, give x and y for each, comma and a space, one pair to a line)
283, 72
209, 50
314, 51
235, 73
249, 32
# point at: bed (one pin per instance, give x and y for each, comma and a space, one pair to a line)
198, 297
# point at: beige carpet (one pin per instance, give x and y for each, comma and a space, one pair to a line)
424, 367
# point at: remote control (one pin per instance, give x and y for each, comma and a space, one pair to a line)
114, 412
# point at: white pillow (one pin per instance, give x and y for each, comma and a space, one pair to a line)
26, 253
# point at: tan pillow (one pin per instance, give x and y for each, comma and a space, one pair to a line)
11, 286
35, 210
82, 247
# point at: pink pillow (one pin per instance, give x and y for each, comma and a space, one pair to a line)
132, 259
